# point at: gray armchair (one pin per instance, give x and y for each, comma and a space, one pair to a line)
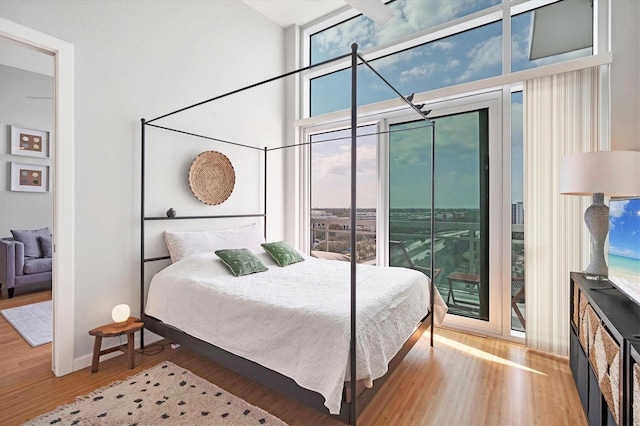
16, 271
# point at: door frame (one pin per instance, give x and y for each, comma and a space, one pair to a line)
63, 282
492, 102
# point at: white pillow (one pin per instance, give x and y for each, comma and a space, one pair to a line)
182, 244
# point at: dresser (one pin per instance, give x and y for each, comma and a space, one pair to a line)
604, 351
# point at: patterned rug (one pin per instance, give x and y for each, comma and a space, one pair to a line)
164, 394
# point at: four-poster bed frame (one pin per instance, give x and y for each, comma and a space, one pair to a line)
353, 401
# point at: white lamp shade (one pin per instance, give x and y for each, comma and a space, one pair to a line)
121, 313
613, 173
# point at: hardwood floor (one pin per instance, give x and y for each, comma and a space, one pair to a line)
463, 379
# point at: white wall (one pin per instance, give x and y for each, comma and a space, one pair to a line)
625, 75
142, 59
23, 103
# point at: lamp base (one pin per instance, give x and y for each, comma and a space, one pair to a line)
593, 277
123, 323
597, 219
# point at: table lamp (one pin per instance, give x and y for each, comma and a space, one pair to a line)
120, 315
611, 173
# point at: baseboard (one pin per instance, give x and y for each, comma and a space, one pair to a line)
111, 342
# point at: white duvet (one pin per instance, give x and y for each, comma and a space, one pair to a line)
295, 319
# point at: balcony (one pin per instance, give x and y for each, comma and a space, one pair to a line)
457, 247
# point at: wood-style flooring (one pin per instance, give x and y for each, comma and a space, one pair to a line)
462, 380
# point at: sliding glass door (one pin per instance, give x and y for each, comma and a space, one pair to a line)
461, 211
394, 202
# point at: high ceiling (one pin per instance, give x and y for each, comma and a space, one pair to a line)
300, 12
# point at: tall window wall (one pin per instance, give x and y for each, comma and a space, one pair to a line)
429, 48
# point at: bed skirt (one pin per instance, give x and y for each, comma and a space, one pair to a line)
279, 382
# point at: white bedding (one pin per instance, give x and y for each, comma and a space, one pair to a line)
295, 319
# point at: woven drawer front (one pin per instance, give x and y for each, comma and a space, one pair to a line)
576, 305
636, 394
583, 323
604, 355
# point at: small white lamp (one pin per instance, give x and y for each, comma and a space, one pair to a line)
612, 173
120, 315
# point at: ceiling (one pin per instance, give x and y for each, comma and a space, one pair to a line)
300, 12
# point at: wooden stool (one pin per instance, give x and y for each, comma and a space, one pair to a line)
113, 330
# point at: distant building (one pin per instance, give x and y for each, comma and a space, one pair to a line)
517, 213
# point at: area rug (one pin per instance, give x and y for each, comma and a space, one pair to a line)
164, 394
34, 322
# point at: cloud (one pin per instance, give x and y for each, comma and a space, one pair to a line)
443, 45
337, 164
330, 174
624, 252
421, 71
425, 70
336, 40
485, 54
617, 209
411, 16
520, 44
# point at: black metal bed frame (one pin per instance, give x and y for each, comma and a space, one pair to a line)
272, 379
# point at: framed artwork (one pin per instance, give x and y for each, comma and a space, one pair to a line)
29, 142
29, 177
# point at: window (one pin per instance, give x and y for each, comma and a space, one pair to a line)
463, 57
581, 17
410, 17
517, 216
331, 192
450, 54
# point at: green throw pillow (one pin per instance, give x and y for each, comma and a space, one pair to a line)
282, 253
241, 261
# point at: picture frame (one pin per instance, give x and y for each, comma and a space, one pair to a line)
29, 142
29, 177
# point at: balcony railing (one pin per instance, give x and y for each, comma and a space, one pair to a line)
457, 246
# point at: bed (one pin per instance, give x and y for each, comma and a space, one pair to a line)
298, 328
295, 319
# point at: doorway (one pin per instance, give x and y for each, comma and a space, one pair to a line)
466, 220
26, 197
62, 182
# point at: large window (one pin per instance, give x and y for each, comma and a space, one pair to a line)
457, 57
467, 50
468, 56
410, 17
331, 193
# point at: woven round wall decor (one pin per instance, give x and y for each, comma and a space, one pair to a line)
211, 177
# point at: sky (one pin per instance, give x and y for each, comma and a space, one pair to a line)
624, 228
468, 56
331, 169
457, 165
471, 55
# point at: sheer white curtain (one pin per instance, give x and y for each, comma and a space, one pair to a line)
560, 117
